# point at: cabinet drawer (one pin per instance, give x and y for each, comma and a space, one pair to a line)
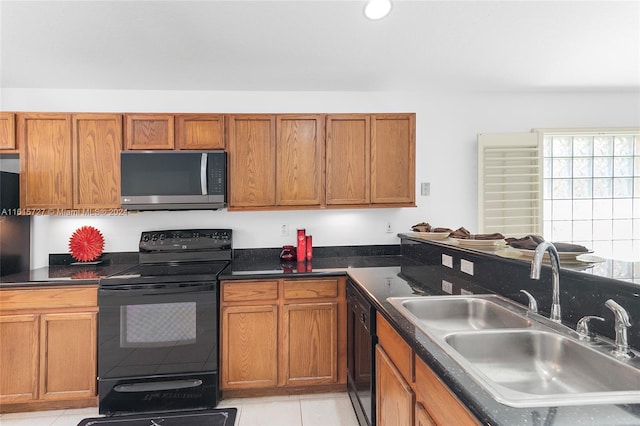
395, 347
310, 289
243, 291
49, 298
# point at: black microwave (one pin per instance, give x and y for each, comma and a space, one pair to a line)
173, 180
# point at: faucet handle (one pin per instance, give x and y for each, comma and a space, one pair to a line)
583, 327
533, 305
620, 313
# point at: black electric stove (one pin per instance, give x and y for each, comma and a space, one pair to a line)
158, 325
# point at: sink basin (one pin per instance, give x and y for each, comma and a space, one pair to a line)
522, 359
527, 367
454, 313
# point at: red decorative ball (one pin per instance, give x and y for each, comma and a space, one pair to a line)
86, 244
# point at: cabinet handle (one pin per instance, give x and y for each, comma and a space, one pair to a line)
203, 174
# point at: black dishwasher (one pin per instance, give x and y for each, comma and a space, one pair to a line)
361, 341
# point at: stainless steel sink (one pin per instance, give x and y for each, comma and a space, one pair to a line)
460, 313
522, 359
533, 367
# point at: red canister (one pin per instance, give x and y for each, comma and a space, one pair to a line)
309, 247
301, 252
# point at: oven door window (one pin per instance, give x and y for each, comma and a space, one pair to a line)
155, 332
159, 325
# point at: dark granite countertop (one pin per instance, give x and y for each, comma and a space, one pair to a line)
381, 274
56, 275
64, 270
245, 269
381, 283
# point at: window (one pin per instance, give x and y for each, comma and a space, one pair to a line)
590, 187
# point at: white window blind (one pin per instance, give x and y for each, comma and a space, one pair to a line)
510, 183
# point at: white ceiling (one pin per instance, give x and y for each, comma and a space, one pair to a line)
320, 45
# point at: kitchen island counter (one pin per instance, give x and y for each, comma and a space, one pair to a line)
380, 283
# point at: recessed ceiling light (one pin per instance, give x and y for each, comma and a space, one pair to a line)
377, 9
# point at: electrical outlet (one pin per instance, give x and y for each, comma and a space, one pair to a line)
466, 266
425, 188
284, 230
388, 227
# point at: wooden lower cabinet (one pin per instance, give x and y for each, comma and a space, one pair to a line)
283, 334
309, 333
68, 360
48, 344
395, 398
441, 404
408, 392
19, 357
249, 347
422, 416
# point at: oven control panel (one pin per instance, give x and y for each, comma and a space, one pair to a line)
185, 240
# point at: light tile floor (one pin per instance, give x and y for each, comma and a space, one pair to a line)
329, 409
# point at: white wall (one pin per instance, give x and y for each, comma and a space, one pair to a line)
446, 129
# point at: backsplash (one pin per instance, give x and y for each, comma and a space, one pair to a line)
581, 293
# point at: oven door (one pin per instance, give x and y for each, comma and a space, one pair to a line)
163, 329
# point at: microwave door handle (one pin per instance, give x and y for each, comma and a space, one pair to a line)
203, 173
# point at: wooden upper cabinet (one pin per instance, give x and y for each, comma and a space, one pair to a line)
199, 131
149, 131
97, 142
347, 163
393, 159
8, 132
251, 144
299, 160
45, 161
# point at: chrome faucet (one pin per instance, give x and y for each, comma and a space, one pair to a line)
536, 267
622, 323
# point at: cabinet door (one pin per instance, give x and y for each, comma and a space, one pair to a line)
393, 159
97, 142
310, 339
422, 416
299, 162
347, 163
442, 405
394, 398
149, 131
45, 161
249, 347
252, 160
199, 131
19, 358
7, 132
68, 362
